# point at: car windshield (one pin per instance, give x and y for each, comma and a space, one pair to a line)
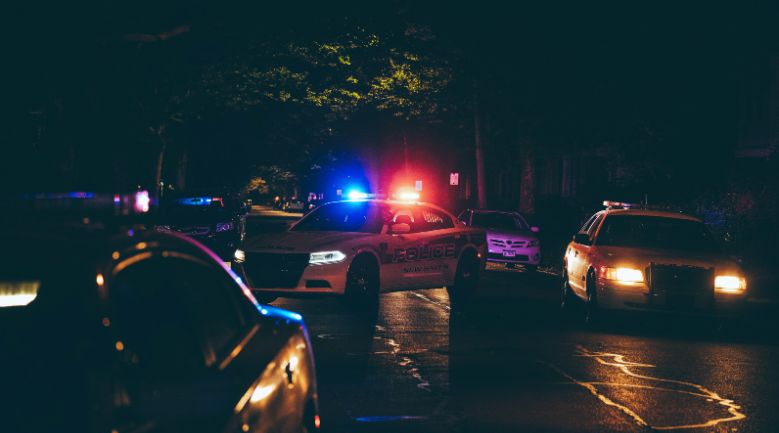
498, 220
363, 217
655, 232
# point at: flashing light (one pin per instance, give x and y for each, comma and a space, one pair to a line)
357, 195
142, 201
239, 255
326, 257
623, 275
408, 195
194, 201
730, 284
618, 204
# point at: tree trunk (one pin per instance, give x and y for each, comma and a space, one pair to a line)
527, 196
160, 164
481, 191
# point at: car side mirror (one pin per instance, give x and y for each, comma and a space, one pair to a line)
535, 229
400, 228
581, 238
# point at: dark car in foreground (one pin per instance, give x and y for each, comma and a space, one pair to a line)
129, 330
216, 221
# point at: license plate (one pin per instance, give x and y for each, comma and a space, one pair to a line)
229, 265
509, 253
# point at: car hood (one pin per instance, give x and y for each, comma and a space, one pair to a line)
643, 257
302, 241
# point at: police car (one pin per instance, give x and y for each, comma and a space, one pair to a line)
631, 258
107, 326
511, 240
358, 248
216, 220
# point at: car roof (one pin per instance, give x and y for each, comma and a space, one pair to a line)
653, 213
507, 212
392, 203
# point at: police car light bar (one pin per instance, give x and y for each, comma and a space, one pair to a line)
619, 205
135, 203
357, 195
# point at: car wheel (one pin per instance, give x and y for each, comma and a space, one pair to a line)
466, 277
362, 286
568, 299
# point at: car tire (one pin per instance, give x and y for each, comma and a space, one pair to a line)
567, 298
362, 286
465, 280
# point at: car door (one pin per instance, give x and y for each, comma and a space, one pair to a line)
578, 253
175, 321
402, 255
437, 245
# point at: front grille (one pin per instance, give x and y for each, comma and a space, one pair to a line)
275, 270
680, 279
194, 231
507, 243
516, 258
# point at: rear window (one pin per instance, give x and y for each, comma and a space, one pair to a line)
655, 232
499, 221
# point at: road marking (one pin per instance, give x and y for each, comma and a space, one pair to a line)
408, 364
619, 362
432, 301
594, 391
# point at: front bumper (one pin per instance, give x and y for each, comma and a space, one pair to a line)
522, 256
291, 279
612, 296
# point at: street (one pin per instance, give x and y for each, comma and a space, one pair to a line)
513, 363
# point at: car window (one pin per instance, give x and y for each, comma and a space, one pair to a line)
498, 221
178, 315
587, 224
429, 219
594, 226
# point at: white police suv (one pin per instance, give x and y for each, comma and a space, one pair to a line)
360, 248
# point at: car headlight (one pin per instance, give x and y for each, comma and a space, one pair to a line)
224, 227
623, 275
533, 243
730, 284
326, 257
163, 229
239, 255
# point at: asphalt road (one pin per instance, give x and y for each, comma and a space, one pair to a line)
513, 362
